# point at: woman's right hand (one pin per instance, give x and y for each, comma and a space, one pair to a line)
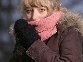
26, 34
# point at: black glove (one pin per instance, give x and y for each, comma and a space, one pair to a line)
26, 34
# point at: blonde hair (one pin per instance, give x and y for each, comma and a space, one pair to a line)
51, 5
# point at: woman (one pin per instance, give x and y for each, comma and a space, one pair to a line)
47, 33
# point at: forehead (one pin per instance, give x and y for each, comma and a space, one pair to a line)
36, 8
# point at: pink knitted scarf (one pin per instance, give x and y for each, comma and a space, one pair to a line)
47, 27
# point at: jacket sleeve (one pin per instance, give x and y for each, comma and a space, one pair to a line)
19, 54
70, 49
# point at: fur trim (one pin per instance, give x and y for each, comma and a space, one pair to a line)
67, 20
71, 19
12, 32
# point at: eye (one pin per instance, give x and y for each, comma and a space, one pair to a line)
28, 11
42, 10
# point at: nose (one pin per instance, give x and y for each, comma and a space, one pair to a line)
35, 15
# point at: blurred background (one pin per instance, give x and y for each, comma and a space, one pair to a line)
9, 13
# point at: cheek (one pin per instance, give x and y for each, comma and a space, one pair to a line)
44, 15
28, 17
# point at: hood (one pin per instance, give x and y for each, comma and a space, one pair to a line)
68, 19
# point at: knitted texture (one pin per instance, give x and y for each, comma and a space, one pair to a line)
47, 27
26, 34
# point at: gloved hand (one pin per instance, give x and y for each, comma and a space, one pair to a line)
26, 34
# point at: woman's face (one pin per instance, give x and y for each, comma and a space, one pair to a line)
36, 13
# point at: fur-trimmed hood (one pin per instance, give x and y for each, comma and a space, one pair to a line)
68, 19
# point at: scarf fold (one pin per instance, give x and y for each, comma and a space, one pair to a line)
47, 27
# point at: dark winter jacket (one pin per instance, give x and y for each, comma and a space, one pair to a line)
63, 46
